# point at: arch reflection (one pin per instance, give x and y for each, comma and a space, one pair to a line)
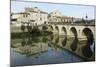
86, 50
57, 40
64, 41
74, 44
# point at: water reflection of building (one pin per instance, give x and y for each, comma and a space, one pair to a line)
29, 47
32, 46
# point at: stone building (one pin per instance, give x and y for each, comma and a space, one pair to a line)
35, 16
32, 16
57, 16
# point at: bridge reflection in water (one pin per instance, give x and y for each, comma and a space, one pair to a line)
50, 49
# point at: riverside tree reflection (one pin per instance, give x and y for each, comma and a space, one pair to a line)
44, 46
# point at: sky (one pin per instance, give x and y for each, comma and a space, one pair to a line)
79, 11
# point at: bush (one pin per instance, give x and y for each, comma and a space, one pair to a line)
23, 28
35, 31
29, 28
44, 28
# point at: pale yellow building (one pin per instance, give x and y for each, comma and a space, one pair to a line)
32, 16
57, 16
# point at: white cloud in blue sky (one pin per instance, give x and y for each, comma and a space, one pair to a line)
66, 9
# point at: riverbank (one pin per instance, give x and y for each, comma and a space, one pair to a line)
30, 34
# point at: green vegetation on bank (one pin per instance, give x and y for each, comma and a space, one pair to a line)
31, 31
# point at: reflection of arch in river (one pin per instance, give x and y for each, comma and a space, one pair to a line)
86, 50
57, 40
51, 37
74, 44
64, 42
60, 40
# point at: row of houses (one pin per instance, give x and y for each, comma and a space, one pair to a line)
35, 16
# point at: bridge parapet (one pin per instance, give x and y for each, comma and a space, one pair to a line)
74, 24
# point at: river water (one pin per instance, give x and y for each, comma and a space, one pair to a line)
49, 50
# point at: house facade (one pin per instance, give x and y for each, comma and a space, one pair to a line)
35, 16
57, 16
31, 16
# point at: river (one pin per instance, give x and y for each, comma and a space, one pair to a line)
50, 50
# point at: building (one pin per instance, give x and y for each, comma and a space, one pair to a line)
35, 16
57, 16
32, 16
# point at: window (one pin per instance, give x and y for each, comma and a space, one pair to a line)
32, 20
13, 19
45, 22
25, 15
41, 19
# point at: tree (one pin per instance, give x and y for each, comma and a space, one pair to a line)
44, 28
23, 28
35, 30
29, 28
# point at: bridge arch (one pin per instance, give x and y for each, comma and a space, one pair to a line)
51, 28
89, 36
73, 31
87, 32
64, 42
57, 29
74, 44
64, 31
86, 50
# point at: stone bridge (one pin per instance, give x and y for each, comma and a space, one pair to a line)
81, 31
